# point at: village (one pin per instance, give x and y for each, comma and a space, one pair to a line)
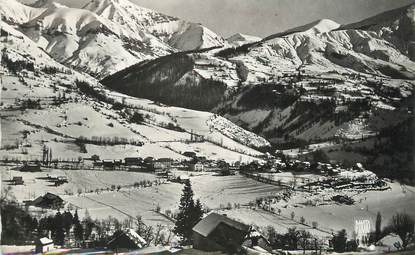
249, 150
287, 184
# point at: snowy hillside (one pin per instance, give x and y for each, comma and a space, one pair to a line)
308, 85
47, 104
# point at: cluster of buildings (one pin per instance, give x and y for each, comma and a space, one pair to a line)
164, 166
214, 233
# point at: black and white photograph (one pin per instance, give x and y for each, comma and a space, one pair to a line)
207, 127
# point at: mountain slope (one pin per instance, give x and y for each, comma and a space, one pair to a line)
87, 42
313, 83
46, 104
396, 26
14, 12
179, 34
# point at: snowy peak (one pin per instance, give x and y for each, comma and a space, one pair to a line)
241, 39
16, 13
193, 36
177, 33
317, 27
47, 4
60, 19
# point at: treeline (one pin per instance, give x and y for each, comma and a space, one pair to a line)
102, 140
393, 153
169, 80
265, 96
15, 66
89, 90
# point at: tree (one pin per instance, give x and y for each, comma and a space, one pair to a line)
304, 239
137, 118
189, 214
378, 226
403, 225
89, 224
292, 237
302, 220
59, 236
339, 241
320, 156
78, 229
67, 221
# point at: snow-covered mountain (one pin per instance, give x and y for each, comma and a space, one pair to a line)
105, 36
315, 83
239, 39
179, 34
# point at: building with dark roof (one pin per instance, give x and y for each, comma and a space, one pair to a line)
30, 167
126, 241
217, 232
48, 201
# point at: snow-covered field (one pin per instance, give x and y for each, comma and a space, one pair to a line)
333, 217
215, 192
78, 180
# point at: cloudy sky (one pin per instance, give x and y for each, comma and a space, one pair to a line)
263, 17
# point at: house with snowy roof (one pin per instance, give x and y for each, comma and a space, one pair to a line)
127, 240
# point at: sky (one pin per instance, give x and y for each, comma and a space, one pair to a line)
263, 17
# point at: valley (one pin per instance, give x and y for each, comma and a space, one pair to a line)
113, 111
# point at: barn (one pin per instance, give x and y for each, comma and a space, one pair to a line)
217, 232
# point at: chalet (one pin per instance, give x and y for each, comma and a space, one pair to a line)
162, 163
30, 167
189, 154
48, 201
108, 164
43, 245
148, 160
133, 161
257, 241
17, 180
161, 172
127, 240
197, 167
219, 233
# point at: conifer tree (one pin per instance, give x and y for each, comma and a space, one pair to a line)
189, 215
59, 237
78, 229
378, 226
